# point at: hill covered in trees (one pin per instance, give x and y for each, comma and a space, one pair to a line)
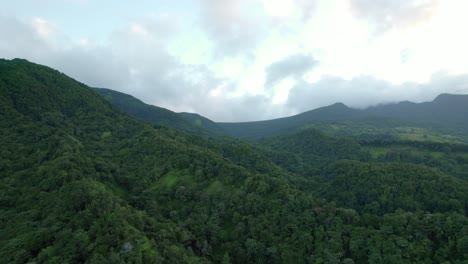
83, 182
185, 122
442, 120
445, 115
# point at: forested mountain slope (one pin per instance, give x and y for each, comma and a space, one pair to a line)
158, 115
83, 182
444, 120
291, 124
204, 122
444, 112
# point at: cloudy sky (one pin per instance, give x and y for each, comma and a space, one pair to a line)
242, 60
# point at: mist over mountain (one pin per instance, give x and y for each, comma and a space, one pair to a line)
447, 111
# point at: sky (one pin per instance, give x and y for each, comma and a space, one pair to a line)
246, 60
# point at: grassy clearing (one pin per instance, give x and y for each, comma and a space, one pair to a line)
169, 180
376, 152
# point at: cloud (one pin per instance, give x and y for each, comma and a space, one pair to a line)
386, 14
231, 28
365, 91
136, 62
238, 60
43, 27
307, 7
291, 66
241, 108
23, 39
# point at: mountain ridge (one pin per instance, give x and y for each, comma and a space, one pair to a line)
446, 110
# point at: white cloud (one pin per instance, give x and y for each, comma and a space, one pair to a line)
234, 60
233, 26
384, 14
43, 27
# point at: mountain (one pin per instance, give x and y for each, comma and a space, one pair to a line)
291, 124
203, 122
446, 111
443, 119
81, 181
157, 115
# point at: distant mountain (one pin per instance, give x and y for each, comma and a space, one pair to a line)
446, 110
185, 122
291, 124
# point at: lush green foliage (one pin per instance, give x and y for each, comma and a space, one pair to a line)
449, 158
82, 182
309, 151
392, 186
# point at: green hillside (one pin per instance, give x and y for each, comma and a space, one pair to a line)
157, 115
83, 182
288, 125
309, 151
203, 122
443, 119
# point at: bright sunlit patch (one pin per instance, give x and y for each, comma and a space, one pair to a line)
278, 8
281, 91
449, 36
191, 48
138, 29
216, 92
43, 27
439, 44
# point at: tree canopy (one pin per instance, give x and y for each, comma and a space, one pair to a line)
83, 182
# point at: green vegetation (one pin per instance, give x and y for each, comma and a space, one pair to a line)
382, 128
204, 123
443, 120
189, 123
83, 182
449, 158
308, 152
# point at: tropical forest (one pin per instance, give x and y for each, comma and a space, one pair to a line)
92, 175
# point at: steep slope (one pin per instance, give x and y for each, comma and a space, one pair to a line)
83, 182
158, 115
